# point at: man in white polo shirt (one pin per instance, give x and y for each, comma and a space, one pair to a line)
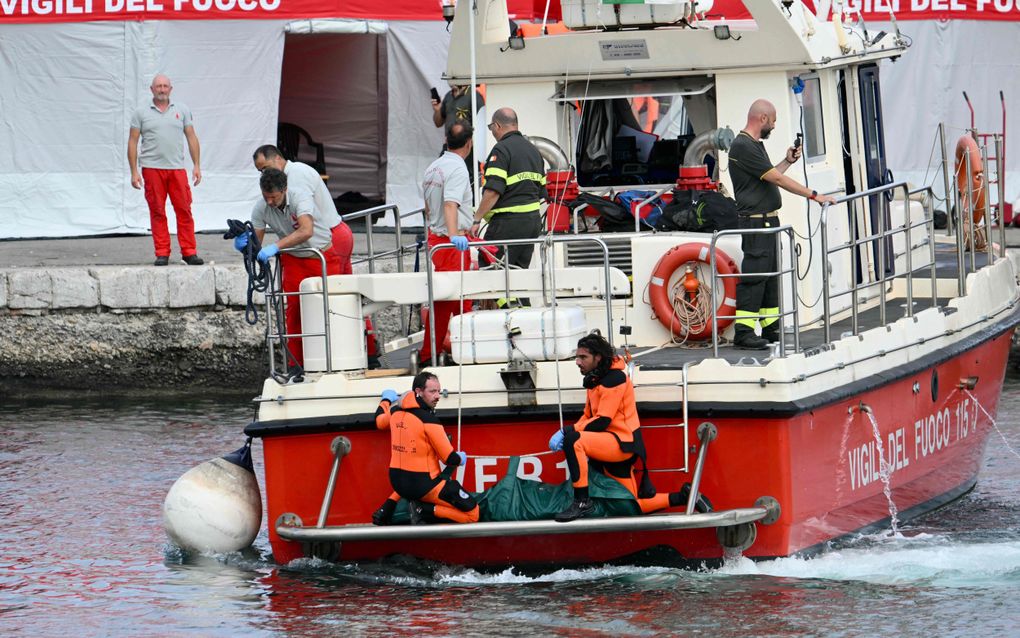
163, 126
302, 178
295, 220
447, 187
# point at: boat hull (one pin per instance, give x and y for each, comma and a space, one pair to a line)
918, 432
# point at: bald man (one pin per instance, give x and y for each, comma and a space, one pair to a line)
514, 186
756, 184
163, 126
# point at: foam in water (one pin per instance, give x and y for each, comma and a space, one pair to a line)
920, 560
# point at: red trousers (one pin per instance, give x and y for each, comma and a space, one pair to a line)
343, 246
447, 260
160, 182
295, 270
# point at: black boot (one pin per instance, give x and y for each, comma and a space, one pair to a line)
421, 513
745, 339
577, 509
383, 515
771, 333
580, 507
679, 499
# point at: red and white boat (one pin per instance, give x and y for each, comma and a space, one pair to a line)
877, 404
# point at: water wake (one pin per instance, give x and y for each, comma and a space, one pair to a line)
925, 560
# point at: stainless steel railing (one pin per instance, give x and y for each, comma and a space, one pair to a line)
546, 243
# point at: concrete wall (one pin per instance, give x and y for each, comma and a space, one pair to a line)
128, 329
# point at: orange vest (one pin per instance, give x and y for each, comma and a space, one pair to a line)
612, 398
417, 440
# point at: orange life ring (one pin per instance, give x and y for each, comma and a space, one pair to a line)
967, 146
674, 259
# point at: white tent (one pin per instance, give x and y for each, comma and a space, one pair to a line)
70, 89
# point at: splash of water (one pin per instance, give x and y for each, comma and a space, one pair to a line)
885, 470
993, 421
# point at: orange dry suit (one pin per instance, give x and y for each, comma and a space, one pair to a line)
417, 444
609, 435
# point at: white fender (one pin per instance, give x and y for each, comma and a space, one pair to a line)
215, 506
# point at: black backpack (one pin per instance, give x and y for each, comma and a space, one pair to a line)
698, 212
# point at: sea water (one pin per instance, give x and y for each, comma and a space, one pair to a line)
84, 554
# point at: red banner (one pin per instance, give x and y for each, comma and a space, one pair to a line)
88, 10
879, 10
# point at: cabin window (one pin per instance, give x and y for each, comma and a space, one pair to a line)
814, 128
634, 133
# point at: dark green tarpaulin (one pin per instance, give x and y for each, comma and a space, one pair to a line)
516, 499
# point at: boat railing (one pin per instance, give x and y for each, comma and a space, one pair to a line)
276, 340
881, 237
398, 228
777, 233
546, 245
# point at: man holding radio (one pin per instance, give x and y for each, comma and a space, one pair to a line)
756, 184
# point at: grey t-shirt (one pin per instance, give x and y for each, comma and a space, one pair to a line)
163, 138
302, 178
284, 222
447, 180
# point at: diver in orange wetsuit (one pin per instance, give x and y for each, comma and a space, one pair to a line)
417, 444
608, 433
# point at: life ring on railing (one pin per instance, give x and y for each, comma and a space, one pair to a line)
966, 146
674, 259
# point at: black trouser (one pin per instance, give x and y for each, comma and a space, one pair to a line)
515, 226
755, 293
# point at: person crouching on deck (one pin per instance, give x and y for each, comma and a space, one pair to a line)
608, 433
417, 444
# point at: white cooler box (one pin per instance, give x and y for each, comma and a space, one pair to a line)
590, 14
481, 337
346, 329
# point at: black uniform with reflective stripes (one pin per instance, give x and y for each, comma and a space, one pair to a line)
516, 171
758, 201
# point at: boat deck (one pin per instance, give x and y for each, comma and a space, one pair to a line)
675, 356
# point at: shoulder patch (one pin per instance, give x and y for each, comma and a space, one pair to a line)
613, 378
492, 158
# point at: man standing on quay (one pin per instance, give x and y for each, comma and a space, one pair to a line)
160, 126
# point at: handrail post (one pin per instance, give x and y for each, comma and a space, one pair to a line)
931, 248
778, 239
432, 304
823, 227
970, 211
945, 179
961, 253
910, 248
883, 209
855, 295
341, 447
706, 434
1000, 178
715, 288
987, 217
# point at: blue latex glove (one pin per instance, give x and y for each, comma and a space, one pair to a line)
460, 241
463, 458
268, 252
390, 395
241, 242
556, 441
